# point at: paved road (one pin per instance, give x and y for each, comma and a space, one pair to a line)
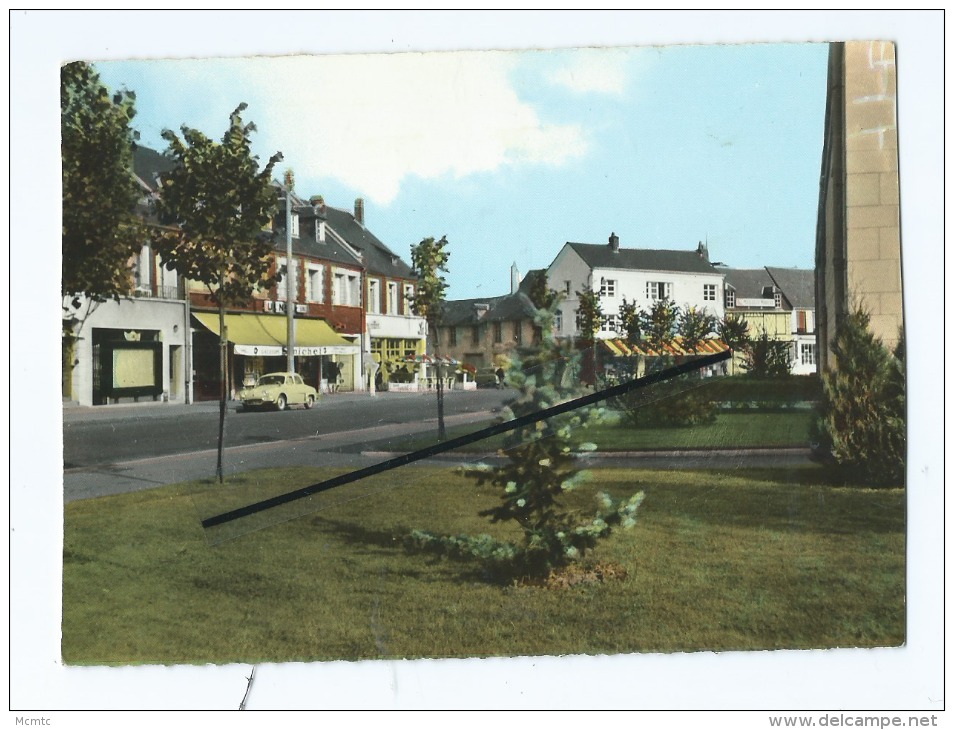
128, 448
106, 435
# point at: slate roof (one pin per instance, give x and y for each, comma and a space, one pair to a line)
642, 259
149, 164
378, 258
749, 283
798, 285
506, 308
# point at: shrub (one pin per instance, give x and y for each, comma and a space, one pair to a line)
541, 467
672, 404
861, 416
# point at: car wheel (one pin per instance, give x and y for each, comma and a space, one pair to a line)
281, 403
310, 401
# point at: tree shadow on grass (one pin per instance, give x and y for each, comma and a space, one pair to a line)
393, 541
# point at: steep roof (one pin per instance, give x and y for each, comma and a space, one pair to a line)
506, 308
149, 164
378, 258
748, 283
798, 285
642, 259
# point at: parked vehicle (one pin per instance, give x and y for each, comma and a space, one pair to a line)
487, 378
278, 390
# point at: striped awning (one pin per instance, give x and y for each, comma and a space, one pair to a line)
622, 348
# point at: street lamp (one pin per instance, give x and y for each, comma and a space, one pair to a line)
290, 272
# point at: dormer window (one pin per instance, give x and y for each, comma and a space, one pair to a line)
320, 231
294, 225
778, 300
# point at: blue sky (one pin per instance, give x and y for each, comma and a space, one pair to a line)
511, 154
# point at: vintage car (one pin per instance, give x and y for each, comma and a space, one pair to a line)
278, 390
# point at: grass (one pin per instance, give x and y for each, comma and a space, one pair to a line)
718, 561
730, 431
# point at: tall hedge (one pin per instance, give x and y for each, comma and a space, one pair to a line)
862, 410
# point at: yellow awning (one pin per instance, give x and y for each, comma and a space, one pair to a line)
266, 335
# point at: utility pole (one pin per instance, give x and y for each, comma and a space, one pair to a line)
290, 273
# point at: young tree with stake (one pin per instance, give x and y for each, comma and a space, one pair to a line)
429, 260
221, 203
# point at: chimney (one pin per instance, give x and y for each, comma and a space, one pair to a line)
614, 243
359, 210
703, 250
514, 278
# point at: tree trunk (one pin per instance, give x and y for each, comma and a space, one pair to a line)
441, 430
223, 390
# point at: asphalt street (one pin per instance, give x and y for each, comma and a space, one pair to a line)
129, 448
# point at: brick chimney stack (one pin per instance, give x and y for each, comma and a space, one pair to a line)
359, 210
614, 243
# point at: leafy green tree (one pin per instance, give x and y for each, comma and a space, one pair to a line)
630, 322
589, 317
766, 357
658, 326
694, 326
540, 470
540, 294
220, 202
429, 260
862, 413
734, 331
101, 231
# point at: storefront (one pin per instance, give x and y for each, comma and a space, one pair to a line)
258, 345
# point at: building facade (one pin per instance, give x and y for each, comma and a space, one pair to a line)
858, 236
777, 303
636, 275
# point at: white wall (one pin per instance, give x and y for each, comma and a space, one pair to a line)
687, 288
166, 316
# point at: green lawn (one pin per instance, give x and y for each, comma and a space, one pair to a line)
730, 431
717, 561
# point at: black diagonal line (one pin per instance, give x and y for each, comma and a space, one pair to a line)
512, 425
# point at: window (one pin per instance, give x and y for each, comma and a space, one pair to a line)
392, 298
537, 335
729, 297
607, 287
474, 335
517, 333
568, 285
346, 289
802, 321
338, 291
658, 290
608, 323
558, 322
452, 336
296, 278
808, 353
498, 331
408, 299
320, 231
709, 292
315, 283
294, 222
374, 296
778, 300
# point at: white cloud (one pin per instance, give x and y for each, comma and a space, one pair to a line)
599, 70
371, 121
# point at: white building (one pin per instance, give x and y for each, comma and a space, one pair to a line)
638, 275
